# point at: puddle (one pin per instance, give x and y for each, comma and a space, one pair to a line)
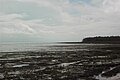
21, 65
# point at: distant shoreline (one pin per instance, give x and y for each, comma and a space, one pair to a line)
97, 40
70, 42
102, 40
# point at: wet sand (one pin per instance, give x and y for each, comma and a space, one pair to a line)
63, 62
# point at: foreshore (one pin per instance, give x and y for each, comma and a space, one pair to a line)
66, 62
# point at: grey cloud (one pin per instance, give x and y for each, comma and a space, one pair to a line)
101, 17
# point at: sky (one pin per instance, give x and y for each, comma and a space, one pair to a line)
57, 20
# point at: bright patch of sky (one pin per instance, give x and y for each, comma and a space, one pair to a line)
81, 1
57, 20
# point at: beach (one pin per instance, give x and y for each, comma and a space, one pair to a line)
60, 62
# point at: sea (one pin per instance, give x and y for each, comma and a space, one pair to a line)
11, 47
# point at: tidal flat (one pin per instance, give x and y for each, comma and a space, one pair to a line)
62, 62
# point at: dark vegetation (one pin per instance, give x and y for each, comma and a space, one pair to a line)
103, 40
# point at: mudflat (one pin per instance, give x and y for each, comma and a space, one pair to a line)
63, 62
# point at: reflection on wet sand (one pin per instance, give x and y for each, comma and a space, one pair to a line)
62, 62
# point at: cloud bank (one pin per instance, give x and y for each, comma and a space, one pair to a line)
57, 20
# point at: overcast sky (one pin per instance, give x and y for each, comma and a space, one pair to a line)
57, 20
